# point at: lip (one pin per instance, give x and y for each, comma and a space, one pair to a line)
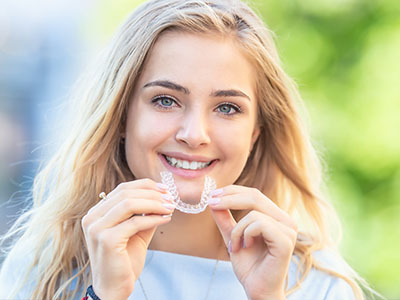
187, 173
187, 157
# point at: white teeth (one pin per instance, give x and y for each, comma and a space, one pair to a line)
184, 164
179, 164
173, 161
193, 165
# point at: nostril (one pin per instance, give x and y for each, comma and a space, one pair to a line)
193, 139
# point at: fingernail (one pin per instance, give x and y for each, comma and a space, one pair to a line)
167, 216
167, 197
216, 192
230, 247
213, 201
169, 205
162, 186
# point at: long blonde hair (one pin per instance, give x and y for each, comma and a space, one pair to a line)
282, 164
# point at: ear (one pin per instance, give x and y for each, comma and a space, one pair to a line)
254, 136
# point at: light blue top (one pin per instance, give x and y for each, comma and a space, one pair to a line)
182, 277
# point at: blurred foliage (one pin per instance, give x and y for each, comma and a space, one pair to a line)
345, 57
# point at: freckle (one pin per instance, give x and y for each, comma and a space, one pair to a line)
161, 232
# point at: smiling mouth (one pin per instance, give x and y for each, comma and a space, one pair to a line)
185, 164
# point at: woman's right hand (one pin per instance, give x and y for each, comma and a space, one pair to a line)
117, 235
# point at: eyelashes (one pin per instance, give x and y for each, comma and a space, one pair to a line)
165, 102
227, 107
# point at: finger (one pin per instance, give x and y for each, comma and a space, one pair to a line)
278, 243
117, 236
237, 240
146, 184
140, 184
248, 241
238, 237
123, 195
128, 207
245, 198
225, 223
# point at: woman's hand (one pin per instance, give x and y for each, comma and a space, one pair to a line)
261, 244
117, 235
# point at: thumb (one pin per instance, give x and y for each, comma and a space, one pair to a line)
147, 235
225, 222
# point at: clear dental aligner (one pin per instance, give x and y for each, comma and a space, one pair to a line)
209, 185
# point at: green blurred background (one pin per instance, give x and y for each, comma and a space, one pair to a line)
345, 57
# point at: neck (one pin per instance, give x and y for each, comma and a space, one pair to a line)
190, 234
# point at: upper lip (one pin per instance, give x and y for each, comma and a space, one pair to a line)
183, 156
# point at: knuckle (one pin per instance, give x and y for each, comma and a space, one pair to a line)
92, 231
85, 222
288, 243
145, 182
236, 232
90, 211
254, 202
253, 214
258, 193
293, 235
257, 197
122, 186
254, 190
295, 226
148, 181
292, 223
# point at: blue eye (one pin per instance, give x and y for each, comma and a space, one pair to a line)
229, 109
163, 102
166, 101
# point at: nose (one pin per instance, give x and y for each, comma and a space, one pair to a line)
194, 130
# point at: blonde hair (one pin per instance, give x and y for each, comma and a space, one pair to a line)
282, 164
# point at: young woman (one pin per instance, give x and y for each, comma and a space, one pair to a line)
194, 88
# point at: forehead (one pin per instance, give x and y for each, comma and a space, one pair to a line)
193, 59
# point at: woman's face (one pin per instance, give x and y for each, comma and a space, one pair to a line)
193, 113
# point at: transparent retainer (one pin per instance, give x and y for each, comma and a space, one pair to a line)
209, 185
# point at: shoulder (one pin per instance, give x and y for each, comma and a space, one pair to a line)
13, 272
319, 284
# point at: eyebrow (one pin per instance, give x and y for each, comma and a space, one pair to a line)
229, 93
174, 86
167, 84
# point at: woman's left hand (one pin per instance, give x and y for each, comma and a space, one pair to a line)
261, 244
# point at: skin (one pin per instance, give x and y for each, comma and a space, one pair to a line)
198, 121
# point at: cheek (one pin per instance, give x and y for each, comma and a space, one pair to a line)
145, 126
145, 132
235, 143
141, 137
